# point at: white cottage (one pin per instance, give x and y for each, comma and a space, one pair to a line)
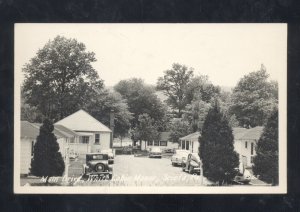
29, 133
245, 141
164, 143
190, 142
93, 135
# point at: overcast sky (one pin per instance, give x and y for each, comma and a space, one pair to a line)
223, 52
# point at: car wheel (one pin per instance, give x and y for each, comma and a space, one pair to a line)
84, 177
99, 167
190, 170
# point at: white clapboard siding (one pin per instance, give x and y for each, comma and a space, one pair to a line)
25, 159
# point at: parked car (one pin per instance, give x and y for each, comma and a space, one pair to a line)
192, 164
155, 152
73, 155
98, 164
127, 150
179, 157
168, 150
110, 154
243, 176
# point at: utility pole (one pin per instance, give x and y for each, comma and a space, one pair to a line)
112, 126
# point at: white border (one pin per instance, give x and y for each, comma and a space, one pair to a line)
281, 189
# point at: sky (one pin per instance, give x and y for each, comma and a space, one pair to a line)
224, 52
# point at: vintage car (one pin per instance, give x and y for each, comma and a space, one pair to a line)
179, 157
243, 176
110, 154
73, 155
98, 164
155, 152
192, 164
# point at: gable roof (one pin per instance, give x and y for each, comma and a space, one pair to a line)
28, 130
247, 134
58, 133
191, 137
238, 132
32, 130
82, 121
66, 130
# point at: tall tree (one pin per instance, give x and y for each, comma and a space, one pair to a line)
60, 78
216, 147
141, 99
266, 159
179, 128
254, 98
174, 84
146, 130
47, 160
200, 88
106, 102
195, 114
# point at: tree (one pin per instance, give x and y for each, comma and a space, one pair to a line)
142, 99
146, 130
266, 159
254, 98
179, 128
60, 79
195, 114
106, 102
29, 113
174, 84
200, 88
47, 160
216, 147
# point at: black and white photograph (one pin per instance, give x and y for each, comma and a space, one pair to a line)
150, 108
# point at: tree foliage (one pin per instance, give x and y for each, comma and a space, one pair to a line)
60, 79
47, 160
174, 84
216, 147
254, 98
106, 102
142, 99
266, 159
146, 130
195, 114
179, 128
200, 88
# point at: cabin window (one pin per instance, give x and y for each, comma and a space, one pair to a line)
246, 144
156, 143
149, 143
252, 148
72, 140
183, 144
163, 143
252, 159
187, 145
85, 139
32, 147
97, 138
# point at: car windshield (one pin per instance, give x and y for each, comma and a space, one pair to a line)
181, 152
97, 157
196, 157
155, 150
107, 151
